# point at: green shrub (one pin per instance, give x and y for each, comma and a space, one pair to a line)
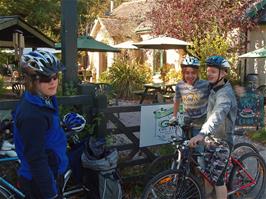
2, 89
126, 76
173, 75
70, 88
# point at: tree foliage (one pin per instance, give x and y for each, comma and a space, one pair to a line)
193, 20
45, 15
42, 14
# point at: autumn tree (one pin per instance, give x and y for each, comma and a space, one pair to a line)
45, 14
193, 20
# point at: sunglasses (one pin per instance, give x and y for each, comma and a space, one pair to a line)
46, 79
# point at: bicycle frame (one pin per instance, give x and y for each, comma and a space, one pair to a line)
7, 186
252, 182
179, 158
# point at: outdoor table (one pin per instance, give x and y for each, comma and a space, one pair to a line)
152, 89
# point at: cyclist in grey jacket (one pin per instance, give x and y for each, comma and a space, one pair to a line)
221, 116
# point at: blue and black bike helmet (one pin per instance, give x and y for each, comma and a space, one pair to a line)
190, 61
218, 62
40, 63
74, 122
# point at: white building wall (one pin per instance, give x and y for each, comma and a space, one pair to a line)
102, 35
257, 39
173, 57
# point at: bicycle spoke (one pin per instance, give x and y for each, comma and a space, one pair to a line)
173, 185
248, 179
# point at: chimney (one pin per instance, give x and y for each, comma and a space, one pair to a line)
111, 6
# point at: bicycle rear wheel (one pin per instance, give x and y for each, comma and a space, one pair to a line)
243, 148
249, 179
172, 184
160, 164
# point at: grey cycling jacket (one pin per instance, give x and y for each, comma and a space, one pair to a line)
221, 113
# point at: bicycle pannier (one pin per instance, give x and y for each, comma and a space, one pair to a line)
101, 167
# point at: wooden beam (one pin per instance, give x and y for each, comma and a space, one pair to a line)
8, 44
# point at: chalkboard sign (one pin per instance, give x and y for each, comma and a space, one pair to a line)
250, 110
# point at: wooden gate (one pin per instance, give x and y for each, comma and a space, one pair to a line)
146, 160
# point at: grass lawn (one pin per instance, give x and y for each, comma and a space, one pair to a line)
259, 136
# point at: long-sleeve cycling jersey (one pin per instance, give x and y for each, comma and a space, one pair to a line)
221, 113
40, 142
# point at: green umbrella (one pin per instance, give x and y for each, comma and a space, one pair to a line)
259, 53
87, 43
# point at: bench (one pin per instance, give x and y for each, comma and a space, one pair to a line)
138, 92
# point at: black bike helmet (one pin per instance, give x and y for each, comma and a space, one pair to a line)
217, 62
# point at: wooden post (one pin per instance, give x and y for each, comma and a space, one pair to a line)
87, 89
101, 104
69, 40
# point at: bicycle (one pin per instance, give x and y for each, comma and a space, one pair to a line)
178, 182
9, 190
164, 162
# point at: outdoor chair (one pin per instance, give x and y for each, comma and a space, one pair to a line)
18, 88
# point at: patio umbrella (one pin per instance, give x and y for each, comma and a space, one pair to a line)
259, 53
162, 42
126, 45
87, 43
50, 50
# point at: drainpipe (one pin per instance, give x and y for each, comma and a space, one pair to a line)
111, 6
245, 62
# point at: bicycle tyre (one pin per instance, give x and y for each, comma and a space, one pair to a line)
243, 148
5, 194
169, 183
158, 165
257, 171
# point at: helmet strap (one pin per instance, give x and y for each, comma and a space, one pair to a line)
218, 79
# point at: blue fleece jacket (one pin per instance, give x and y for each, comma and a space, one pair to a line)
40, 142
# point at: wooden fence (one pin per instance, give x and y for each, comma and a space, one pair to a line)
91, 106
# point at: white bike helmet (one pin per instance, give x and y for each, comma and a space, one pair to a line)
74, 122
190, 61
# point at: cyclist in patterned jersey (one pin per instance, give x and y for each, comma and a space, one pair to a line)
193, 93
221, 116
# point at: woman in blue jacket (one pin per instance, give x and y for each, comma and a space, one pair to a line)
40, 141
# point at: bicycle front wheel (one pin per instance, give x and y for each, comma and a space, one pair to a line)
5, 194
172, 184
248, 180
71, 189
